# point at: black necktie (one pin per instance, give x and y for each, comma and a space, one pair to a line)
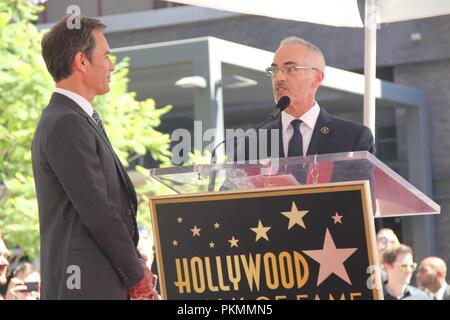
296, 143
99, 122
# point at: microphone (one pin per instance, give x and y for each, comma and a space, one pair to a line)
282, 104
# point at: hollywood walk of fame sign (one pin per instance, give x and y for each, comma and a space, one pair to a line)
302, 242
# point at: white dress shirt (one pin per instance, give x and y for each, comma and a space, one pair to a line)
309, 119
82, 102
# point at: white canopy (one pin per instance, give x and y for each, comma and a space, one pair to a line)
341, 13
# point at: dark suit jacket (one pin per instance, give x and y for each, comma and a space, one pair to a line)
330, 135
87, 208
446, 295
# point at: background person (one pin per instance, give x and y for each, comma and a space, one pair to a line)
399, 265
4, 262
24, 274
431, 276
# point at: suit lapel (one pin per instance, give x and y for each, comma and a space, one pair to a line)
446, 295
322, 130
119, 165
280, 133
61, 99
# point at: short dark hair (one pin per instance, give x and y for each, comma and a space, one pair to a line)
391, 254
24, 269
61, 44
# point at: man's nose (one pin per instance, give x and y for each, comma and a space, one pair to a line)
278, 76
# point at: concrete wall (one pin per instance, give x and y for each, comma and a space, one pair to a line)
434, 78
343, 47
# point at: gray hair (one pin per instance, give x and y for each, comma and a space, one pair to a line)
308, 45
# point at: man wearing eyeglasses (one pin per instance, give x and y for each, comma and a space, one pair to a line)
297, 71
431, 277
304, 127
399, 266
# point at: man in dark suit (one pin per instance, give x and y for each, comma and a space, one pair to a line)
87, 203
431, 276
304, 128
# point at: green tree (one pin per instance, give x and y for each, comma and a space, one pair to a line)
25, 88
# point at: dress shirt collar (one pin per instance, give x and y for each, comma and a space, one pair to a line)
82, 102
309, 117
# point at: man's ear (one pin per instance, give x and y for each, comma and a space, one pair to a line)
319, 75
79, 62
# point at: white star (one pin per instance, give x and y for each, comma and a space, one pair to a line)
331, 259
337, 218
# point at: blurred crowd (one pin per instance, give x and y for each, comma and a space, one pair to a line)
398, 268
19, 278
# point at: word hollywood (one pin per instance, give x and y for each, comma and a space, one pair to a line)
260, 272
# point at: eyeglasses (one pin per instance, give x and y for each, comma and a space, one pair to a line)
405, 266
272, 71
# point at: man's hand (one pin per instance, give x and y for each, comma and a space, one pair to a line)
145, 288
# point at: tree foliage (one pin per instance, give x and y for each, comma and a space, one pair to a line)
25, 88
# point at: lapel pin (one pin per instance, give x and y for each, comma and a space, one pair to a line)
324, 130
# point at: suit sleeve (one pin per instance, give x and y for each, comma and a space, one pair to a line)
364, 141
72, 154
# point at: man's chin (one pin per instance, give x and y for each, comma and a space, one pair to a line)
104, 91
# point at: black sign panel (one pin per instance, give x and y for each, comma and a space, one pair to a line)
309, 242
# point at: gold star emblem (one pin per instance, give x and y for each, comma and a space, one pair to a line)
180, 220
196, 231
216, 225
211, 244
175, 243
337, 218
295, 216
261, 231
233, 242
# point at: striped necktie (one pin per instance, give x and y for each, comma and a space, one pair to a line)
99, 122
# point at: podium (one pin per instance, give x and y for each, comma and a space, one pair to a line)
291, 228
